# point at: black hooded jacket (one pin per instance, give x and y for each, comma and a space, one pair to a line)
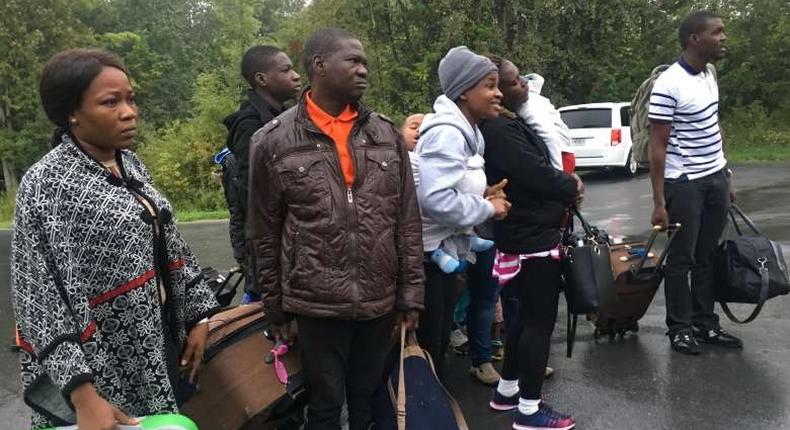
539, 192
253, 114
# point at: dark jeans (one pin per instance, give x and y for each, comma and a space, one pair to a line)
483, 293
700, 206
528, 336
436, 321
343, 361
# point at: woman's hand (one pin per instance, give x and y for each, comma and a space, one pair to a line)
497, 190
196, 346
501, 207
95, 413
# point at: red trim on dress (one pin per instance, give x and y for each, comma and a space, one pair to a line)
89, 330
134, 283
22, 343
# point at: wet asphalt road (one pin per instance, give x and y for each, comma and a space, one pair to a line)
631, 383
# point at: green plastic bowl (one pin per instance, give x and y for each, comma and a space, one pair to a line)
168, 422
154, 422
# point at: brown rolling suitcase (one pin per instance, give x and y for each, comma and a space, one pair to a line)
237, 389
637, 275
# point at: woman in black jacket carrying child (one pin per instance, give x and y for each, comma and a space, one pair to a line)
528, 253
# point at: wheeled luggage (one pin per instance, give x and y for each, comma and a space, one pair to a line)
637, 274
237, 389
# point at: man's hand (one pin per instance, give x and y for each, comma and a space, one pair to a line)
579, 189
408, 319
196, 346
95, 413
281, 332
660, 216
731, 183
497, 190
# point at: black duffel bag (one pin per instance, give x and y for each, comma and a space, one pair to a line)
749, 269
586, 273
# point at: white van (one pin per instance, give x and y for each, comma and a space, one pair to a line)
601, 135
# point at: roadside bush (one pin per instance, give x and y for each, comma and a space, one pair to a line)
751, 127
7, 200
180, 156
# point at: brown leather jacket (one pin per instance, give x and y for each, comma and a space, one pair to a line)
325, 250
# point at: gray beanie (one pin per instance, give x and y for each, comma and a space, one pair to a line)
461, 69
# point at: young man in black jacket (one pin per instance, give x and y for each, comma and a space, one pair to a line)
273, 81
530, 236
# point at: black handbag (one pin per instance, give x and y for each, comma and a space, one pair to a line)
749, 269
586, 273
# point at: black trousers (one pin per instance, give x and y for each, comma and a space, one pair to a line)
700, 206
436, 321
343, 361
528, 339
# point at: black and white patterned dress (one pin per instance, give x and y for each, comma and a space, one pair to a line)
90, 292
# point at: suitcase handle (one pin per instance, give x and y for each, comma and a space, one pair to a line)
671, 229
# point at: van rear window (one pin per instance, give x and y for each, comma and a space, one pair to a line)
587, 118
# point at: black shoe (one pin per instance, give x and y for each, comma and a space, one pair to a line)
684, 342
717, 337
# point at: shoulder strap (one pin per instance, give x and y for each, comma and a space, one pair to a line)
764, 282
469, 144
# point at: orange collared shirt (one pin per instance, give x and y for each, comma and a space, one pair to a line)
339, 129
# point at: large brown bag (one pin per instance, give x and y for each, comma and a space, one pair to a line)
637, 275
237, 388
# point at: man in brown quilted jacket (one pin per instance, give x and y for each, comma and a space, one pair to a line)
336, 230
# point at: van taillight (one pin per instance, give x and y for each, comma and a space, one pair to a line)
617, 136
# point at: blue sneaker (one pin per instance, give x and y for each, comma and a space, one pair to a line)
447, 263
544, 419
500, 402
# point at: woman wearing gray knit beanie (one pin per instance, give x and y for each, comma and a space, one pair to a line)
453, 193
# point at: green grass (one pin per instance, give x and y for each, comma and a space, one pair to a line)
753, 154
186, 215
198, 215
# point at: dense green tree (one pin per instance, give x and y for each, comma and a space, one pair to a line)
183, 57
30, 32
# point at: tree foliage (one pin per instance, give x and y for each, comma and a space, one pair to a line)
183, 56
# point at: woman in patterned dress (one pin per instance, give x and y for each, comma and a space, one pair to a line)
110, 301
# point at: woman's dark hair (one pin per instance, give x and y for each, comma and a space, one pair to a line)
497, 60
65, 78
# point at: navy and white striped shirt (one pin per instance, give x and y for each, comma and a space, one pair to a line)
690, 101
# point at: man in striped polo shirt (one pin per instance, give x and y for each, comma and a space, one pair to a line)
690, 181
